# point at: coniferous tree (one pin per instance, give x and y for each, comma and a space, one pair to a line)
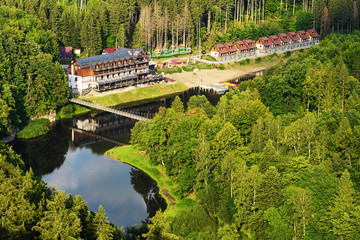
339, 213
101, 225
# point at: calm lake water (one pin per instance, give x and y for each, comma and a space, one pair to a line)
77, 165
71, 157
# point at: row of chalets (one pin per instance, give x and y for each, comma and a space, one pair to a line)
265, 45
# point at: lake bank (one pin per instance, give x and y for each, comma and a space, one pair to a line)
138, 159
134, 96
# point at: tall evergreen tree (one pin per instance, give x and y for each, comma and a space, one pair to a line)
339, 213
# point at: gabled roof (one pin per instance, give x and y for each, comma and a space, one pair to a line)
303, 34
284, 37
275, 39
313, 33
219, 46
223, 51
176, 61
230, 47
240, 45
293, 36
250, 44
109, 50
119, 54
264, 41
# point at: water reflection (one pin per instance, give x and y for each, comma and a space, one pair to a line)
144, 185
75, 163
71, 157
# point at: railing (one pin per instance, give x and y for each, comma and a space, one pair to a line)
86, 91
107, 109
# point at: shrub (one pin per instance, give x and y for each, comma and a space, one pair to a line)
35, 128
169, 70
258, 60
243, 62
287, 54
220, 66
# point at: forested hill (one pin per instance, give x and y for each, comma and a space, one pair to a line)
30, 210
95, 24
31, 81
277, 158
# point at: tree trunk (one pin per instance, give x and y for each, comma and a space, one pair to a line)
226, 18
294, 8
263, 11
209, 21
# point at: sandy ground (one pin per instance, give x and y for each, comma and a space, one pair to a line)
210, 76
202, 77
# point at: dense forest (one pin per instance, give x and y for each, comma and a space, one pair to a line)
277, 158
30, 210
32, 82
95, 24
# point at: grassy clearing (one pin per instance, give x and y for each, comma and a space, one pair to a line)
139, 95
71, 110
35, 128
209, 58
169, 70
132, 156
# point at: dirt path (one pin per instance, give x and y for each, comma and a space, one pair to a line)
166, 193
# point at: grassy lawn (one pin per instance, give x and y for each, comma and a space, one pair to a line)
169, 70
71, 110
209, 58
35, 128
132, 156
139, 95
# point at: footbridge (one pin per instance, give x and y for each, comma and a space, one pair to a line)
107, 109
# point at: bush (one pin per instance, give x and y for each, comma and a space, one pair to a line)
169, 70
220, 66
287, 54
258, 60
271, 56
67, 111
189, 68
243, 62
35, 128
71, 110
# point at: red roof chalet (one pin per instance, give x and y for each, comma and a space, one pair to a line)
230, 47
303, 35
313, 33
220, 48
250, 44
240, 45
275, 40
284, 37
66, 52
294, 36
264, 41
109, 50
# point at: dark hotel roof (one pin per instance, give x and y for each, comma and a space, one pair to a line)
119, 54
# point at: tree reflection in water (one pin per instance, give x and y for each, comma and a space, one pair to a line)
45, 153
147, 188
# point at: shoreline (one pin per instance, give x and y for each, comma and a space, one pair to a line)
134, 157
